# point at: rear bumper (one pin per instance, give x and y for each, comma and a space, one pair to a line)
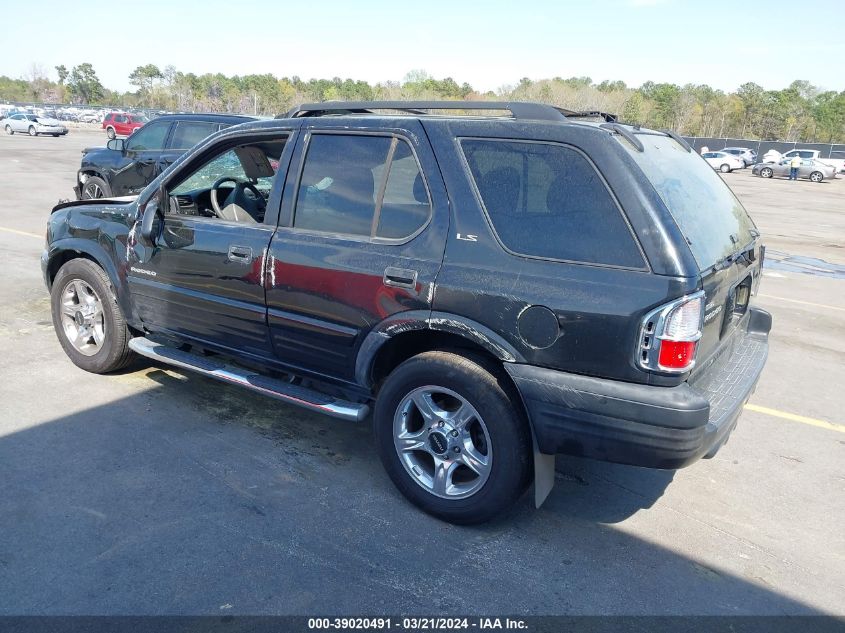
645, 425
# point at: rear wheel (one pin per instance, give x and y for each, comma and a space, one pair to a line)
452, 438
767, 172
724, 168
9, 130
817, 176
32, 131
110, 132
87, 318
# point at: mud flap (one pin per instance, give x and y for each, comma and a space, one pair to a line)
544, 474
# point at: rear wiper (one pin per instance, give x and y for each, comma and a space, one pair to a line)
726, 261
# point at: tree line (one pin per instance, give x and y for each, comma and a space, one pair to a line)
799, 112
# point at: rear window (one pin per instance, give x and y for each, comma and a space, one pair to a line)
546, 200
709, 215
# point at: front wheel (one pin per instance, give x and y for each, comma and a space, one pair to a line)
9, 130
767, 172
816, 176
33, 131
725, 168
95, 188
87, 318
452, 437
110, 132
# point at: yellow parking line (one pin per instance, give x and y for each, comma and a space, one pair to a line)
805, 303
16, 232
796, 418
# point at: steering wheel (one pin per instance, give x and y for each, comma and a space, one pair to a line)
236, 195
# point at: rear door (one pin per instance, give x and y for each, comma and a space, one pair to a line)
184, 136
361, 238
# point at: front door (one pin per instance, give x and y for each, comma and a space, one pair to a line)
139, 164
361, 238
203, 279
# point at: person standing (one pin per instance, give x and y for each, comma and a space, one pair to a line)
794, 164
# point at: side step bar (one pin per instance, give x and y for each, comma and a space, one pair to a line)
211, 367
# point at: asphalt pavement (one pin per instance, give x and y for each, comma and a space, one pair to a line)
155, 491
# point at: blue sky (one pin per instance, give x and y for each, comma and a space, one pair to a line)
487, 44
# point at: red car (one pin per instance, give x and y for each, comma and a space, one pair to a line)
122, 123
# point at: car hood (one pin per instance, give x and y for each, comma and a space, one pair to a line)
44, 120
115, 202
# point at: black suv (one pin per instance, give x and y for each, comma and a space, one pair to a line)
125, 166
495, 289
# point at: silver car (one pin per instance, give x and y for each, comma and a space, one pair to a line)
811, 169
745, 154
32, 124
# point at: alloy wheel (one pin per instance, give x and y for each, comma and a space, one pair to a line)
442, 442
83, 320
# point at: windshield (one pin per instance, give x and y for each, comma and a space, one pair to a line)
708, 213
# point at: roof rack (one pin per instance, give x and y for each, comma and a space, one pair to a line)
519, 110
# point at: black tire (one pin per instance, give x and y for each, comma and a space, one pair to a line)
489, 393
724, 168
32, 131
114, 352
95, 187
110, 132
767, 172
9, 130
816, 176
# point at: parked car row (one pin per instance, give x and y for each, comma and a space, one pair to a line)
774, 164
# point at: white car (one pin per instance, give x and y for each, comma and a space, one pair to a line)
723, 161
31, 124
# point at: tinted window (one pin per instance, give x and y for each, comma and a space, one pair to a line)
337, 192
805, 154
149, 137
189, 133
406, 206
547, 200
711, 218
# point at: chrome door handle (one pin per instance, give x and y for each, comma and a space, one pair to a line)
241, 254
400, 277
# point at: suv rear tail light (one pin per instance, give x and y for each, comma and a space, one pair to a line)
669, 335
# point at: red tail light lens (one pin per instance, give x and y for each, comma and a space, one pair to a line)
669, 335
676, 354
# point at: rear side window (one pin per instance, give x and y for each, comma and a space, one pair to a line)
361, 185
546, 200
189, 133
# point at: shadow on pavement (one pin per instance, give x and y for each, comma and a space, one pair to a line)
196, 498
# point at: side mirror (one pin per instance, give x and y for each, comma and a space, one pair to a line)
117, 144
149, 227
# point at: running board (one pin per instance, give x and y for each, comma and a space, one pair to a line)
211, 367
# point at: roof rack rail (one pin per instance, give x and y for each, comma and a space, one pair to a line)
520, 110
675, 137
626, 134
